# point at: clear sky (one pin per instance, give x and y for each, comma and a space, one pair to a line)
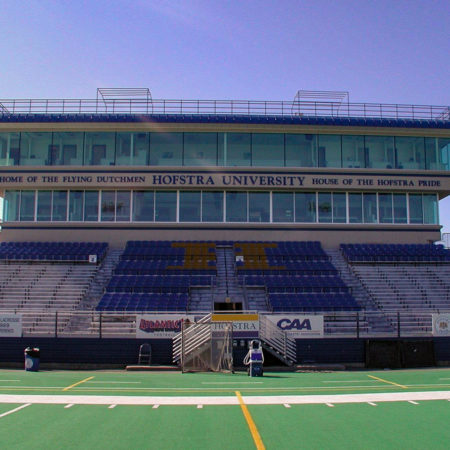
386, 51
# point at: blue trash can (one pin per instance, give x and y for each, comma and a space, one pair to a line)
32, 358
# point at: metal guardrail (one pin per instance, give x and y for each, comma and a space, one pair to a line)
192, 338
94, 324
280, 341
224, 107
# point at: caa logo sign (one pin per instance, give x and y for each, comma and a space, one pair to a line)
296, 324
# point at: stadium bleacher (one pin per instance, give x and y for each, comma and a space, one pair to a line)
298, 276
410, 280
52, 251
385, 253
158, 275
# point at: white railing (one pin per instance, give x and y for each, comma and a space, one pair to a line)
190, 338
277, 339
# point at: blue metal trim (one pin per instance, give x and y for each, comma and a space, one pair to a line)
233, 119
178, 226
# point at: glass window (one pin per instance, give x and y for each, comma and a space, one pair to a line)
339, 207
166, 149
380, 152
165, 206
44, 206
305, 207
91, 206
123, 206
236, 149
325, 210
259, 206
444, 152
267, 150
410, 152
11, 205
329, 151
9, 149
430, 209
353, 151
236, 206
200, 149
143, 206
27, 201
190, 206
432, 155
301, 150
400, 209
67, 149
108, 206
99, 149
370, 208
76, 206
132, 149
35, 149
283, 207
385, 208
59, 206
355, 210
212, 206
415, 208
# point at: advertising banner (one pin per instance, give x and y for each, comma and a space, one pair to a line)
160, 326
245, 326
441, 324
10, 325
299, 326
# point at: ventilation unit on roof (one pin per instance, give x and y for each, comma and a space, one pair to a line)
317, 103
124, 100
3, 109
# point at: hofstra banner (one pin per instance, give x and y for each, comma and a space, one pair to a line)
441, 324
160, 326
299, 326
223, 180
245, 326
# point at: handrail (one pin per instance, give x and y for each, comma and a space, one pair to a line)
296, 108
277, 339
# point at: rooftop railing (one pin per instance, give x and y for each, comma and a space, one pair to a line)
225, 107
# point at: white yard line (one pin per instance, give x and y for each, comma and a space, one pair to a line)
68, 406
226, 400
14, 410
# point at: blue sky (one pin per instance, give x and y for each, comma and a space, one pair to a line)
380, 51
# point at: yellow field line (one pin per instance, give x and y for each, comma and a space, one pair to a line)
251, 425
76, 384
386, 381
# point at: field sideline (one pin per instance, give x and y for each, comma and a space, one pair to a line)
103, 409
